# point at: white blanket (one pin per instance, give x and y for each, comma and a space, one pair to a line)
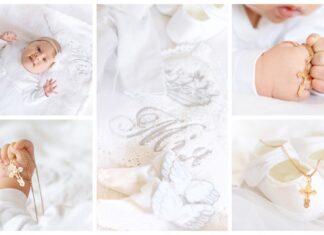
251, 210
73, 31
63, 151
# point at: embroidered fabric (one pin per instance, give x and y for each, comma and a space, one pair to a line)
190, 77
186, 128
180, 198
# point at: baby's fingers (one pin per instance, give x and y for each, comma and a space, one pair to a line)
319, 45
317, 72
318, 85
53, 82
4, 156
25, 145
22, 157
11, 152
312, 39
318, 58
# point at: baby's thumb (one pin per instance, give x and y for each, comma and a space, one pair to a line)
20, 156
312, 39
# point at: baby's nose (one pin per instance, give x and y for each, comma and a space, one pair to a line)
37, 57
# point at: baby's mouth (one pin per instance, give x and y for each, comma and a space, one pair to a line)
286, 12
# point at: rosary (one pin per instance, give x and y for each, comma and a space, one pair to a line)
304, 75
15, 171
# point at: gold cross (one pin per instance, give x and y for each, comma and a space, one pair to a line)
305, 75
15, 171
307, 191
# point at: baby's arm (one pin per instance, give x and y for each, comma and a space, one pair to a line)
34, 92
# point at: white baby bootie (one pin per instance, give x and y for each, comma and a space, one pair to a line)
196, 23
311, 150
273, 170
168, 9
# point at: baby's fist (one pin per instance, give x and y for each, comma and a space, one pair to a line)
21, 153
277, 69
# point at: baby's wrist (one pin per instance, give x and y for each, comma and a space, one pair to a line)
12, 183
264, 86
45, 93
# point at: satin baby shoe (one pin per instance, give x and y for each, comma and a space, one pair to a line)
311, 150
196, 23
296, 188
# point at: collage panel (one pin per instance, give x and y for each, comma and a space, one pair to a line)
45, 61
278, 175
277, 59
46, 175
162, 117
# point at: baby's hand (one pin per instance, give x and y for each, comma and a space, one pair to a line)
19, 154
276, 72
49, 87
9, 36
317, 70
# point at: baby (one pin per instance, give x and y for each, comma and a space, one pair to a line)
36, 58
262, 53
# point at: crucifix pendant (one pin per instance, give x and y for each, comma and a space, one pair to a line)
305, 75
15, 171
308, 191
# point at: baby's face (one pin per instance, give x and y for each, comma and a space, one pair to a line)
277, 13
38, 56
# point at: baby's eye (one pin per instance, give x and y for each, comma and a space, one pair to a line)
38, 49
44, 59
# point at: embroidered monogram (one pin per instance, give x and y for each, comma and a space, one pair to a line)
157, 126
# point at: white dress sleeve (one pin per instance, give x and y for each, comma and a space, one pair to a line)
15, 216
244, 62
13, 211
32, 90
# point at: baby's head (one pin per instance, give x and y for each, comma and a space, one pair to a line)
278, 13
39, 55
